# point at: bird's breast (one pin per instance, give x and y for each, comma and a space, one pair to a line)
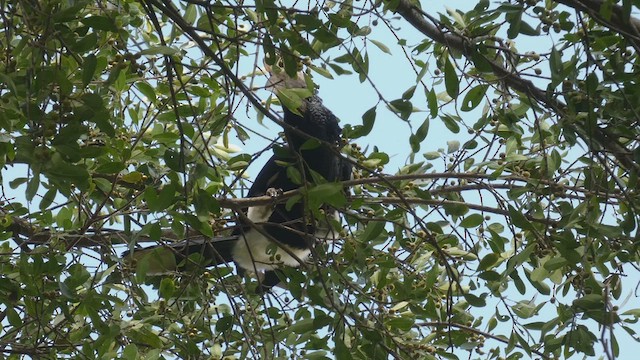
255, 252
259, 214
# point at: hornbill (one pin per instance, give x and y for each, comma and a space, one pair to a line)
269, 237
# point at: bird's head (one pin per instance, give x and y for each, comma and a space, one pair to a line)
303, 109
279, 80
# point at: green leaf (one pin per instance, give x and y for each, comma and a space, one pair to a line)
481, 63
408, 94
451, 79
555, 67
67, 14
167, 288
154, 261
368, 120
403, 323
224, 323
203, 226
461, 253
146, 90
292, 98
130, 352
100, 23
590, 302
340, 20
85, 44
381, 46
555, 263
303, 326
190, 14
89, 69
432, 100
159, 50
158, 201
474, 300
173, 160
515, 20
327, 193
537, 277
419, 136
110, 168
340, 350
432, 155
7, 80
65, 170
47, 199
453, 146
311, 144
239, 162
372, 231
103, 120
451, 123
78, 275
13, 318
489, 261
32, 187
527, 29
294, 175
322, 71
146, 337
472, 221
132, 177
403, 107
519, 220
167, 138
473, 97
633, 312
457, 17
290, 61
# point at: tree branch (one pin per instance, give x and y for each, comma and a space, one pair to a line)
444, 202
595, 138
444, 325
25, 233
620, 22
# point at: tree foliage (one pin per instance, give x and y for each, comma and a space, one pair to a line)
123, 123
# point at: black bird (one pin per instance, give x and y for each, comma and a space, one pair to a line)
275, 235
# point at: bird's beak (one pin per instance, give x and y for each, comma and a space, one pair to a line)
278, 79
281, 80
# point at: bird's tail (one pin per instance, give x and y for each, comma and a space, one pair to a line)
186, 254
